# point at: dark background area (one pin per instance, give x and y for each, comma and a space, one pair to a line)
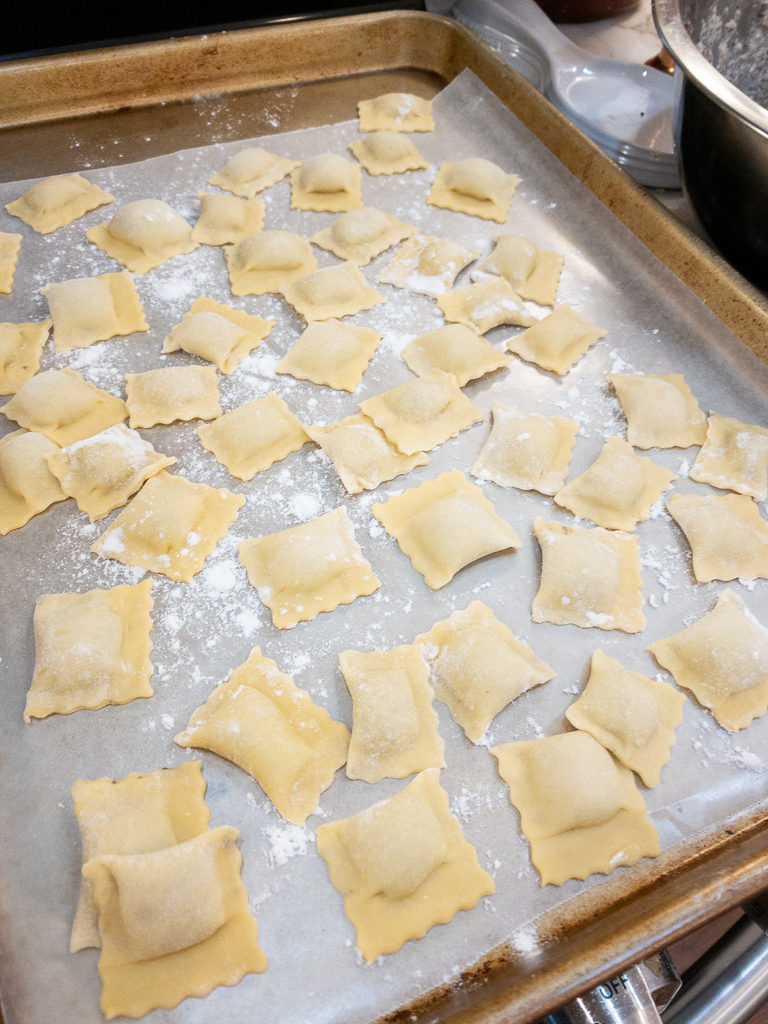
27, 32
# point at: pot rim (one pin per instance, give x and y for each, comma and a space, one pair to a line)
670, 26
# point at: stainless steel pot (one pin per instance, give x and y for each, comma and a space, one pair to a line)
722, 133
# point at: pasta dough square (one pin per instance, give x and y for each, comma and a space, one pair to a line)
170, 527
454, 349
477, 666
253, 436
558, 341
64, 406
90, 309
402, 866
216, 332
660, 409
734, 456
27, 485
723, 660
326, 183
102, 472
174, 923
533, 273
331, 292
427, 264
56, 202
251, 171
137, 814
727, 535
361, 235
143, 234
485, 305
172, 393
589, 577
361, 453
308, 569
579, 808
266, 725
475, 186
396, 112
267, 261
10, 246
394, 726
225, 220
21, 347
618, 489
444, 525
388, 152
526, 451
331, 352
422, 413
630, 714
91, 650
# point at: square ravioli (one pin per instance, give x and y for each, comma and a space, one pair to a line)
484, 305
589, 577
27, 485
266, 725
64, 407
90, 309
56, 202
251, 171
394, 726
308, 569
533, 273
396, 112
444, 525
361, 453
267, 261
102, 472
427, 264
332, 353
388, 152
734, 456
218, 333
170, 527
10, 246
172, 393
225, 220
526, 451
91, 650
143, 234
661, 412
477, 666
475, 186
136, 814
558, 341
727, 535
618, 489
361, 235
422, 413
331, 292
630, 714
253, 436
21, 347
402, 866
174, 923
454, 349
326, 183
723, 660
579, 808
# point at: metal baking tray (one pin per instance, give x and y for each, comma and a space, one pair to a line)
106, 107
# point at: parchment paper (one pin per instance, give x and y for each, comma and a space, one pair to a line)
204, 629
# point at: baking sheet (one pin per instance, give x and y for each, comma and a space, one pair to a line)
205, 629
